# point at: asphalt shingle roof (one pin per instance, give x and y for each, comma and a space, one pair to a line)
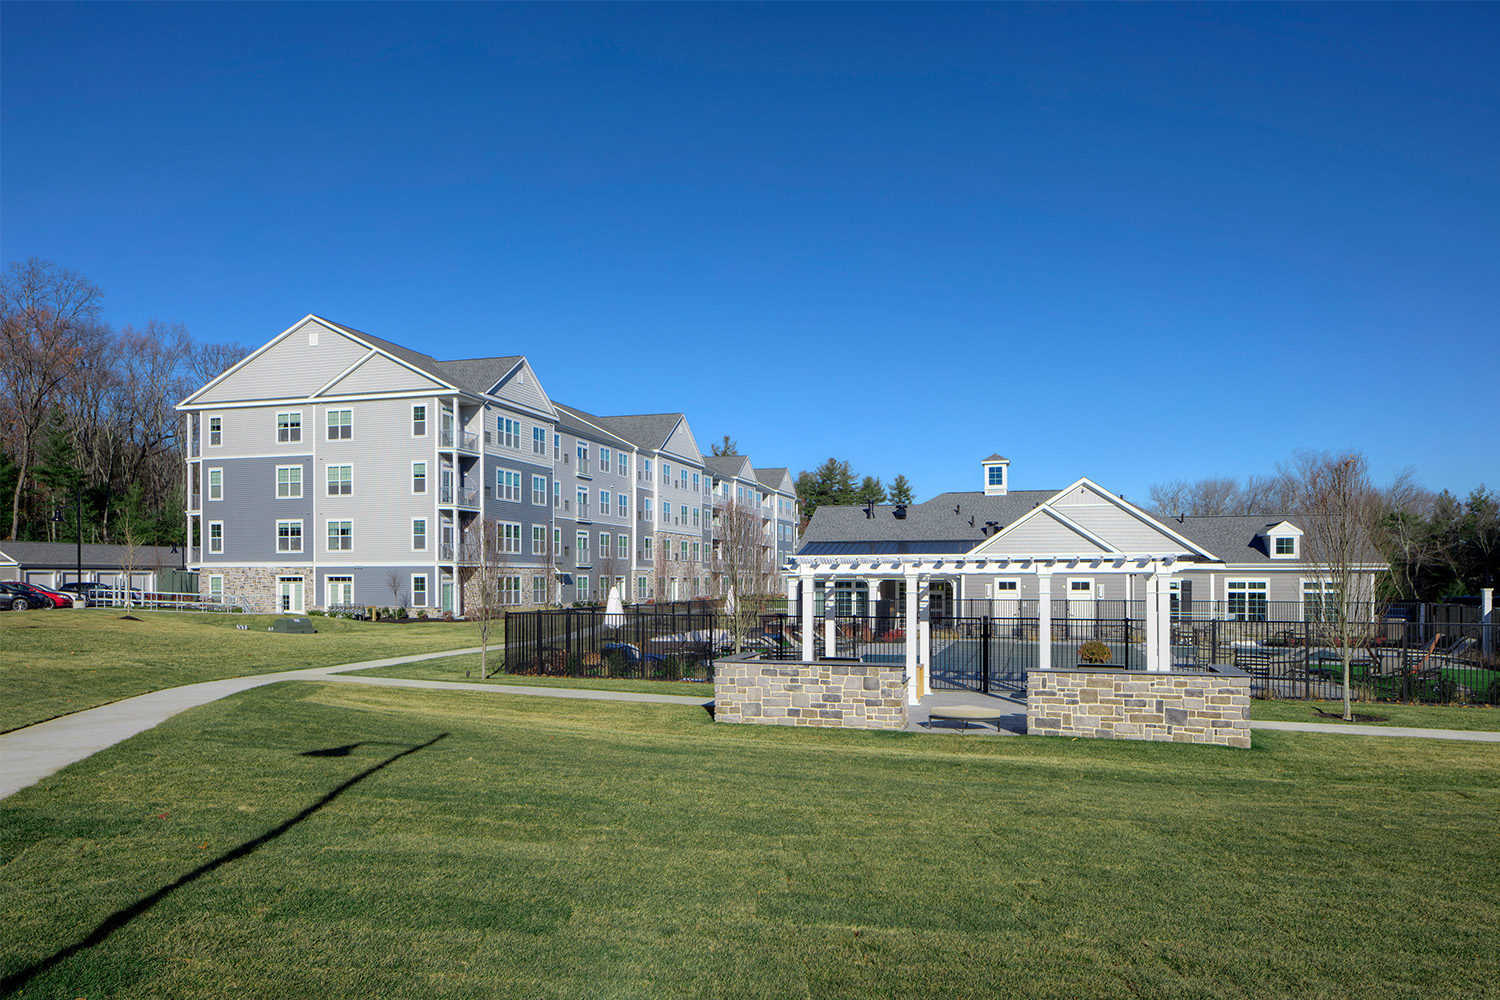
935, 522
645, 430
64, 554
475, 375
581, 423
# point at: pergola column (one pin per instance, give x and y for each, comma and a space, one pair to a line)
830, 616
1164, 621
1044, 619
924, 625
911, 637
872, 598
806, 577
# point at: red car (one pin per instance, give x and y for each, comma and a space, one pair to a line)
20, 596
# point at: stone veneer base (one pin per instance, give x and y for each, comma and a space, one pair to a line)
838, 694
1179, 707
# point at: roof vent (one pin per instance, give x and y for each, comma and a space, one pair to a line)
900, 512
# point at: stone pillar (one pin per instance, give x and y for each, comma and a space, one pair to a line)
910, 628
1044, 619
807, 614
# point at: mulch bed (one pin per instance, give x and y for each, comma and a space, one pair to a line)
1358, 716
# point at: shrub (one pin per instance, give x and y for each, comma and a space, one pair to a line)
1094, 651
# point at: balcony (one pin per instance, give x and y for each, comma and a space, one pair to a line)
584, 466
583, 512
445, 552
468, 497
644, 477
463, 440
195, 502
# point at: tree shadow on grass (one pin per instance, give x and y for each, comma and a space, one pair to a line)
125, 915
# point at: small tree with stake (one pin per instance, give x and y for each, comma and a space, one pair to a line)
484, 561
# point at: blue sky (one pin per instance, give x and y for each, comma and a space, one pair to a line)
1135, 243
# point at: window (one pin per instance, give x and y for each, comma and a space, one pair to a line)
682, 551
696, 515
419, 590
684, 479
556, 493
510, 590
666, 512
622, 463
604, 548
1246, 599
1320, 601
340, 536
419, 477
583, 457
288, 428
216, 536
340, 590
418, 534
646, 551
216, 484
583, 502
604, 509
622, 546
557, 541
419, 421
538, 590
510, 433
539, 440
583, 588
696, 483
997, 475
666, 473
741, 491
216, 589
288, 482
288, 536
603, 459
640, 588
646, 469
538, 540
510, 538
582, 553
556, 447
340, 425
539, 491
623, 502
340, 480
507, 485
1286, 546
697, 552
215, 431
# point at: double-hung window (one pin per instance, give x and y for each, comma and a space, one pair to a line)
419, 421
538, 540
340, 536
646, 551
419, 477
622, 546
288, 428
556, 542
539, 589
510, 537
507, 485
340, 480
696, 516
696, 483
216, 484
623, 502
683, 481
215, 431
419, 590
604, 549
622, 463
288, 536
510, 433
603, 459
539, 491
288, 482
539, 440
1320, 601
604, 503
216, 537
666, 512
666, 473
340, 425
419, 534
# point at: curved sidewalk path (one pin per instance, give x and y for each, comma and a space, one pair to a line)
28, 755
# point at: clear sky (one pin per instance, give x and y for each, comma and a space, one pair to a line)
1135, 243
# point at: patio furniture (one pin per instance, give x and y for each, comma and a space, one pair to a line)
966, 714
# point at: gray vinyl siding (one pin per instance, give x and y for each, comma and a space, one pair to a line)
250, 510
292, 368
371, 586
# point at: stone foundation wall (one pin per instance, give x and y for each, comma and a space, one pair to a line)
258, 584
1133, 705
818, 693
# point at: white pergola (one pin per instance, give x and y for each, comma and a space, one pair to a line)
919, 571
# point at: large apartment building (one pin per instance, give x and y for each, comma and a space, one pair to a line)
334, 468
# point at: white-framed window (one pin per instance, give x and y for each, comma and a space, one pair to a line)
697, 552
508, 485
216, 588
666, 473
583, 456
640, 587
1286, 546
696, 516
215, 431
419, 477
623, 502
538, 540
340, 480
216, 537
419, 534
646, 510
646, 552
539, 440
289, 427
604, 509
697, 481
340, 536
996, 475
510, 537
216, 484
646, 468
1320, 601
582, 552
666, 512
682, 551
622, 546
419, 420
556, 447
419, 590
510, 590
288, 482
1246, 599
340, 590
340, 425
539, 589
510, 433
539, 491
583, 588
557, 541
603, 459
556, 493
288, 536
683, 479
583, 501
622, 463
604, 545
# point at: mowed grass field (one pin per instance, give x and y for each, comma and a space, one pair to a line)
56, 662
532, 847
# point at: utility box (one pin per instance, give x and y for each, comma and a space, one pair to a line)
297, 625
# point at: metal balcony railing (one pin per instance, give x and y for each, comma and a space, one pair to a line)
463, 440
468, 496
445, 551
196, 502
445, 494
583, 466
583, 512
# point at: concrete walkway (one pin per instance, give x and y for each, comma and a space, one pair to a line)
1346, 729
28, 755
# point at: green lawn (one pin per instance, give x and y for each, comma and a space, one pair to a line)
567, 849
466, 668
56, 662
1483, 719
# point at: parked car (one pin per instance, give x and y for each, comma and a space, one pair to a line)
16, 596
100, 593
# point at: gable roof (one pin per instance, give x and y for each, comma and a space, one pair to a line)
581, 423
932, 526
645, 430
728, 466
64, 555
779, 480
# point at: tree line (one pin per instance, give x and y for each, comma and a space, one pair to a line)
835, 483
1438, 545
91, 423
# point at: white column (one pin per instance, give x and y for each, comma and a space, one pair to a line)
911, 638
807, 614
791, 594
1487, 616
872, 588
924, 624
1152, 624
1044, 619
1164, 622
830, 615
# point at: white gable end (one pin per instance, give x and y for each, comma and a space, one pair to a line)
378, 373
682, 444
522, 389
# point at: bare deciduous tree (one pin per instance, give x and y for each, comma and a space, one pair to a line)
742, 567
396, 581
484, 562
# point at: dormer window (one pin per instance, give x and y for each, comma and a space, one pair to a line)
994, 475
997, 476
1286, 546
1282, 540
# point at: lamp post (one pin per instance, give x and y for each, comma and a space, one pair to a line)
57, 517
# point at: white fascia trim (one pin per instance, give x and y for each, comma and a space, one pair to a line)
341, 375
427, 393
